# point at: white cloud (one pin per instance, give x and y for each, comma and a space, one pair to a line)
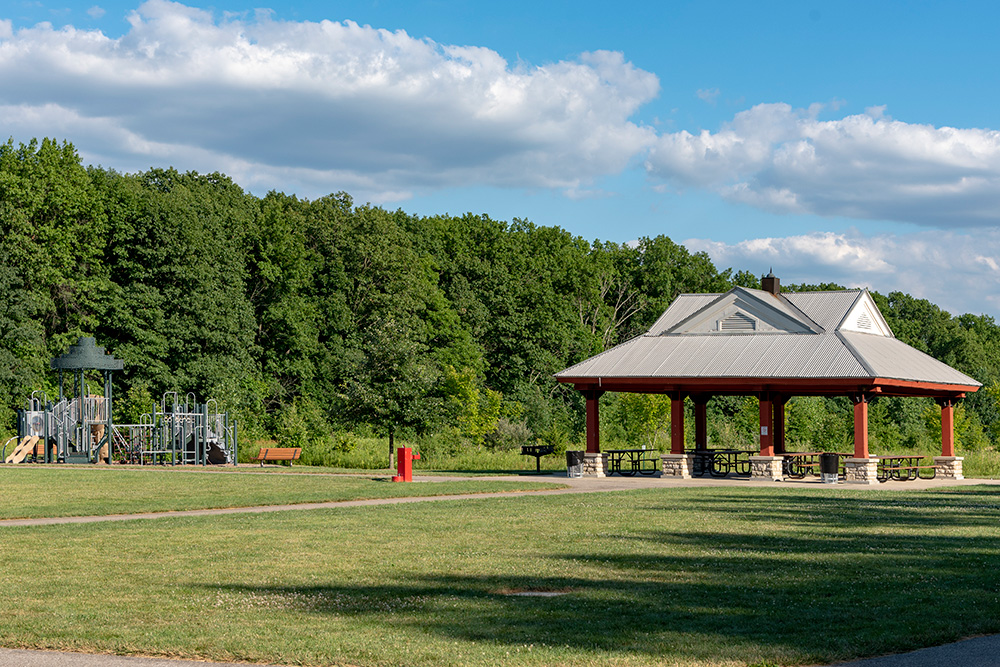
869, 166
710, 95
959, 272
323, 106
96, 12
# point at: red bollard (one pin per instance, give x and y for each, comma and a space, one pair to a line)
404, 464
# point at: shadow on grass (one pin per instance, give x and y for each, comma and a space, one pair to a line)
843, 576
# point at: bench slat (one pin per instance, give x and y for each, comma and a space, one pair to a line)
278, 454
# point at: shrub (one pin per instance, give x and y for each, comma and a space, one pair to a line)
508, 436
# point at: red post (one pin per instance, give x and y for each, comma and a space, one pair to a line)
766, 425
593, 421
861, 427
677, 423
701, 422
947, 428
779, 424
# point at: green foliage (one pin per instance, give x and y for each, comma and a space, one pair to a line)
645, 420
136, 402
508, 436
475, 411
309, 319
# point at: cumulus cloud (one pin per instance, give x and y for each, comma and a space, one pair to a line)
325, 106
867, 166
965, 273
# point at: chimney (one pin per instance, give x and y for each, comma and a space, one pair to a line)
770, 283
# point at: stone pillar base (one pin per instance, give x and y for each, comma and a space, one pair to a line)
949, 467
677, 465
595, 465
766, 467
861, 471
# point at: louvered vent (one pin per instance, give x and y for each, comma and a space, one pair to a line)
737, 322
864, 322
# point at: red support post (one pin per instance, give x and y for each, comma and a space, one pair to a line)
593, 421
947, 427
677, 423
779, 424
861, 427
701, 422
766, 425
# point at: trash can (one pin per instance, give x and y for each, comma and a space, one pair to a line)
829, 467
574, 464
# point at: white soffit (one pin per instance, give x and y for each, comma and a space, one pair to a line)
864, 317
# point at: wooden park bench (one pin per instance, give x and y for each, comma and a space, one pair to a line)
278, 454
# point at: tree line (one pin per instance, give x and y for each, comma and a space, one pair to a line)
312, 318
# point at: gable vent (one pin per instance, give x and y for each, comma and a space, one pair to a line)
737, 322
864, 322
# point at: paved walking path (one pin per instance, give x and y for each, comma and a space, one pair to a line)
573, 485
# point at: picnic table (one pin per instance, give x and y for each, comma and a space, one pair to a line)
721, 462
796, 465
628, 462
902, 468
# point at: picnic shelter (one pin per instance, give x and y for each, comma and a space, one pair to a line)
773, 345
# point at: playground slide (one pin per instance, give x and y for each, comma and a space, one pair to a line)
22, 450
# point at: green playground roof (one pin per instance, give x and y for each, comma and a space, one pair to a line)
86, 354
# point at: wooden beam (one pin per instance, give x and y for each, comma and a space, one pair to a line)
860, 426
766, 425
779, 424
677, 423
947, 427
593, 421
700, 421
787, 386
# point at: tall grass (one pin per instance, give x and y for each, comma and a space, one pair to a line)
983, 464
347, 450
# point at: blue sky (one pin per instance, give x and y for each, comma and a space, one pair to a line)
850, 142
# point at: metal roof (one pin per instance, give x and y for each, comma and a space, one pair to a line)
668, 351
892, 358
86, 354
682, 307
827, 309
733, 355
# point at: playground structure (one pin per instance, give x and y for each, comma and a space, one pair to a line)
80, 429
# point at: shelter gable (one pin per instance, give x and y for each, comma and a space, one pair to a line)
744, 311
865, 317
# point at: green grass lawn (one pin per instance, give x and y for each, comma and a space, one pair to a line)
33, 491
705, 576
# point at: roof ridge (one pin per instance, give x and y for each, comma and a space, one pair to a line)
802, 312
857, 355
